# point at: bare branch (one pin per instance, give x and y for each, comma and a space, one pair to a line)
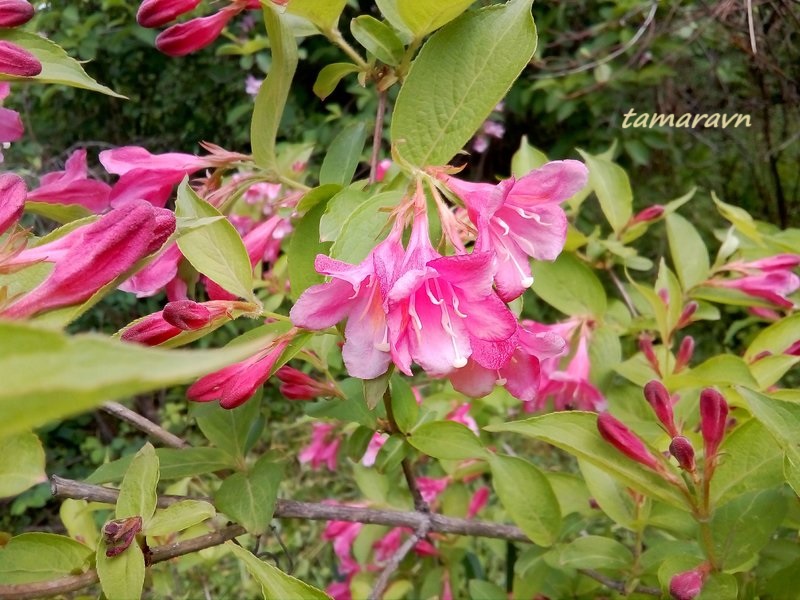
144, 424
377, 136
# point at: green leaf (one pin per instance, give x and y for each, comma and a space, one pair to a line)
61, 213
527, 497
122, 576
137, 494
485, 590
447, 440
576, 432
476, 59
48, 375
781, 418
339, 209
570, 286
316, 195
330, 76
38, 556
365, 228
739, 218
322, 13
249, 498
271, 98
776, 338
595, 552
768, 371
745, 525
351, 408
343, 155
275, 584
174, 463
378, 38
751, 460
215, 250
179, 516
27, 467
689, 252
423, 17
791, 468
57, 66
404, 404
77, 518
613, 188
526, 159
228, 430
304, 246
614, 499
374, 389
391, 454
719, 586
723, 369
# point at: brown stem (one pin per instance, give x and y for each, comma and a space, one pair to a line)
377, 136
394, 562
623, 292
619, 586
144, 424
419, 502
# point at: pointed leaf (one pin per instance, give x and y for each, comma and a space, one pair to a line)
27, 467
249, 498
330, 76
343, 155
228, 430
423, 17
38, 556
137, 494
570, 286
365, 228
689, 252
613, 188
122, 576
378, 38
447, 440
179, 516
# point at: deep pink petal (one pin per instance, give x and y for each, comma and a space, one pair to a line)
12, 200
470, 273
323, 305
553, 182
195, 34
154, 186
119, 161
473, 380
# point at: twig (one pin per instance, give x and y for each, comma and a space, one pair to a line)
144, 424
377, 136
623, 292
420, 504
750, 26
619, 586
396, 559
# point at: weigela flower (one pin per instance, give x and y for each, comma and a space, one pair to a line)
521, 218
73, 186
155, 13
12, 200
296, 385
627, 442
771, 279
323, 449
658, 397
14, 13
689, 584
11, 128
195, 34
713, 420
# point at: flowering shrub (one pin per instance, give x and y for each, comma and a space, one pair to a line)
471, 353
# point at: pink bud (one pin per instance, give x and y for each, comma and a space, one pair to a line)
682, 450
658, 397
296, 385
685, 352
14, 13
651, 213
152, 330
619, 436
686, 315
155, 13
12, 200
687, 585
478, 501
187, 315
193, 35
18, 61
646, 346
713, 418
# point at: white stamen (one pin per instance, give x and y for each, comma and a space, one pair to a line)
504, 225
455, 308
383, 345
534, 216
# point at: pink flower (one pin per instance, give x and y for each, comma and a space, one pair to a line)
681, 448
658, 398
440, 308
11, 128
460, 414
124, 159
252, 85
355, 292
343, 534
12, 200
73, 186
517, 219
478, 501
14, 13
236, 383
88, 258
151, 279
570, 388
383, 168
195, 34
619, 436
430, 488
375, 444
17, 61
713, 420
323, 449
651, 213
769, 278
689, 584
296, 385
155, 13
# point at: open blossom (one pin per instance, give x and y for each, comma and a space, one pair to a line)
155, 276
236, 383
355, 292
323, 449
771, 279
11, 128
73, 186
440, 307
521, 218
375, 444
91, 256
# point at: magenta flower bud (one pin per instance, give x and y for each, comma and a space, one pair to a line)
14, 13
685, 352
193, 35
627, 442
687, 585
651, 213
682, 450
658, 397
686, 315
187, 315
17, 61
646, 347
155, 13
713, 418
12, 200
152, 330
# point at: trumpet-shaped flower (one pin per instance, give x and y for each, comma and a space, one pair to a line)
323, 449
521, 218
195, 34
771, 279
11, 128
73, 186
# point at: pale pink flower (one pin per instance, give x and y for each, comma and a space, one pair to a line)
518, 219
343, 534
460, 414
252, 85
383, 168
73, 186
323, 449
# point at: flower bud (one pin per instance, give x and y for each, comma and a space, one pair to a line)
687, 585
682, 450
155, 13
14, 13
119, 534
195, 34
619, 436
17, 61
296, 385
651, 213
713, 418
658, 397
152, 330
646, 347
187, 315
685, 352
12, 200
686, 315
